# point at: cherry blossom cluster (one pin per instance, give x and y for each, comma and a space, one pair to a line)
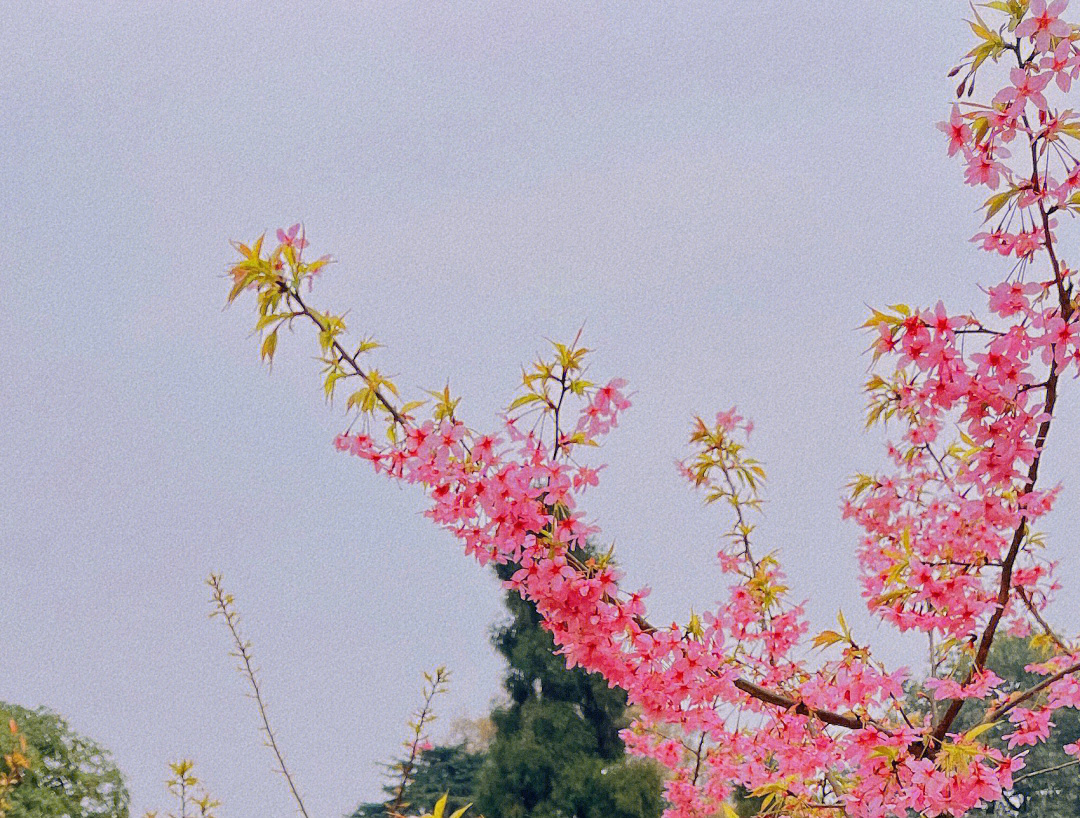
950, 546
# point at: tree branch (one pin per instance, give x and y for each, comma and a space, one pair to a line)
223, 603
1005, 587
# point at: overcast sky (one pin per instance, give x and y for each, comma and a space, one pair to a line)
715, 190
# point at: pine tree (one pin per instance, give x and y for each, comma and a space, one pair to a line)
451, 769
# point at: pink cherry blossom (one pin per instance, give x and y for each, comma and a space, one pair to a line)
983, 169
1042, 23
1025, 87
732, 696
958, 131
1063, 63
293, 237
1032, 727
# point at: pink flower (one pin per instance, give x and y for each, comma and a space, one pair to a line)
1033, 726
996, 241
1042, 23
1028, 242
1025, 87
728, 420
1063, 63
293, 237
982, 170
1009, 298
586, 476
958, 131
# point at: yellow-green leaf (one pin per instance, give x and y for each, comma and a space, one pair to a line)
269, 346
826, 638
532, 397
978, 730
440, 805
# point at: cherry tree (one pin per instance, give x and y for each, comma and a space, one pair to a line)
949, 545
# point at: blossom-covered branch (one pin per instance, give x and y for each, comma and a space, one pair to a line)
949, 542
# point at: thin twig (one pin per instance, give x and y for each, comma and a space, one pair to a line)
1015, 701
1053, 769
294, 294
436, 685
224, 607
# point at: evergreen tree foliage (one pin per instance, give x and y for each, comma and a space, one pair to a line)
452, 769
556, 752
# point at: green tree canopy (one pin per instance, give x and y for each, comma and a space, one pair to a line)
70, 776
451, 769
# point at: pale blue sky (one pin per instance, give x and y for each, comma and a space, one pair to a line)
716, 190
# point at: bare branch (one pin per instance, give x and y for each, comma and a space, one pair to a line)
225, 608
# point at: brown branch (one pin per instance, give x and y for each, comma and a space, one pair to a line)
763, 694
987, 638
698, 754
941, 466
294, 294
1005, 587
437, 686
1053, 769
1017, 700
850, 721
223, 603
737, 504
